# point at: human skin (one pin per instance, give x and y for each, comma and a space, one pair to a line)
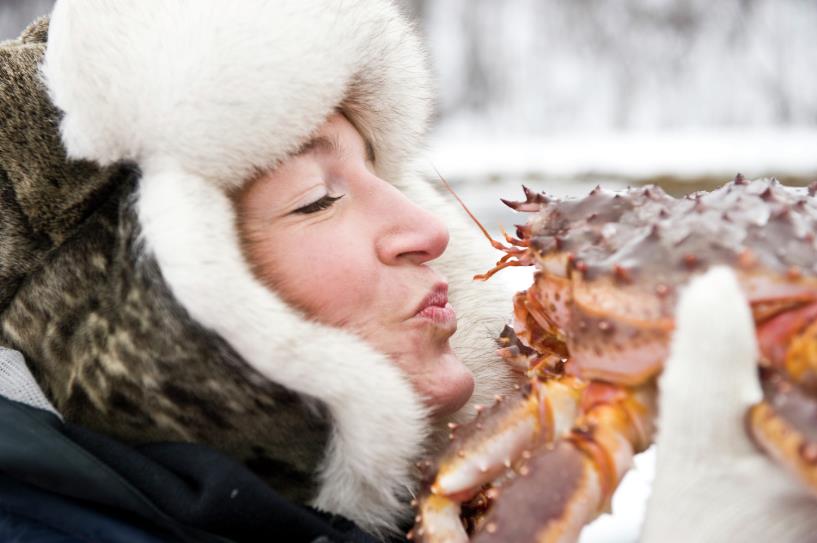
360, 262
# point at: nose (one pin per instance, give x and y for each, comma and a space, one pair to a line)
409, 233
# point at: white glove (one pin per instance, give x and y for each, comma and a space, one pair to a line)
711, 482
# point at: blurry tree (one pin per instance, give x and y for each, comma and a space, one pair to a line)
16, 14
550, 65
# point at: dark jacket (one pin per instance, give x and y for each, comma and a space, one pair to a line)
60, 482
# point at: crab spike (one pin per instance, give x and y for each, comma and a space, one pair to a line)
533, 201
690, 261
532, 196
492, 493
622, 274
520, 206
767, 195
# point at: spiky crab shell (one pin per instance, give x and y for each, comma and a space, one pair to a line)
612, 262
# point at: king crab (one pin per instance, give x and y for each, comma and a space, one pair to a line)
591, 335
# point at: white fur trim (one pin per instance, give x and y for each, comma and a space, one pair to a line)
227, 88
380, 423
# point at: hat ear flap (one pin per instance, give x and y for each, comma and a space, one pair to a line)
188, 225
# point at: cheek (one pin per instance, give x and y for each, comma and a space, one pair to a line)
328, 274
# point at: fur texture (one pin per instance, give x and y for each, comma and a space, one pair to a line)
201, 95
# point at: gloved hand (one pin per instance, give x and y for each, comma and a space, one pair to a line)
711, 482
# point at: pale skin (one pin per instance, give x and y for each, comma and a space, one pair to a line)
350, 250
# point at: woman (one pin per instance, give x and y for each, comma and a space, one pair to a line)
214, 235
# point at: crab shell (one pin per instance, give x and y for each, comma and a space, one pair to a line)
612, 265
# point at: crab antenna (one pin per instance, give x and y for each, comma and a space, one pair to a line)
494, 243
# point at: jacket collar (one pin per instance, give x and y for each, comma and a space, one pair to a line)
17, 383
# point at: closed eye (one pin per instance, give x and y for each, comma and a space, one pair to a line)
318, 205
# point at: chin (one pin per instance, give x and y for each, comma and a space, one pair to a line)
450, 388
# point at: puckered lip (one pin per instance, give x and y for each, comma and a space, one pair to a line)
438, 297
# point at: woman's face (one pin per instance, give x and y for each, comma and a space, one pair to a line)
352, 251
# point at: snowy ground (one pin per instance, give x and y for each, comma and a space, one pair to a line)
482, 170
630, 156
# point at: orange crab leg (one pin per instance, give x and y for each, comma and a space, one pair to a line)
486, 448
785, 426
580, 472
501, 266
579, 459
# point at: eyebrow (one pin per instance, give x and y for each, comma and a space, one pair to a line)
324, 144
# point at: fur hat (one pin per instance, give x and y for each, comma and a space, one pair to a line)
121, 274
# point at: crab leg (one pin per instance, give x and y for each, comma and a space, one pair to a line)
785, 426
568, 494
489, 446
483, 450
580, 459
580, 473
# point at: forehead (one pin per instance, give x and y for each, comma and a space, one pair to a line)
336, 136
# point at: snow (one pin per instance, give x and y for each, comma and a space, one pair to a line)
623, 524
546, 66
458, 154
